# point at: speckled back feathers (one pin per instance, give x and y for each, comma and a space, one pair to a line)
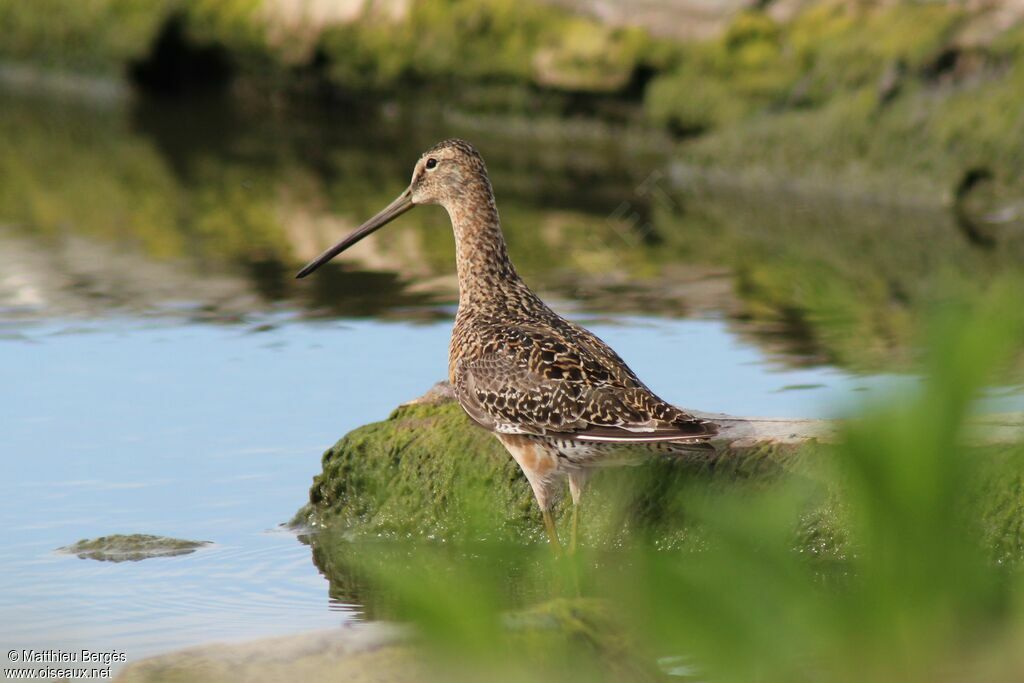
519, 368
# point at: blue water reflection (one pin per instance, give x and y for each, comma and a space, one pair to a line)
213, 432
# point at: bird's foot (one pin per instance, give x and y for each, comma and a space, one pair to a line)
575, 528
549, 526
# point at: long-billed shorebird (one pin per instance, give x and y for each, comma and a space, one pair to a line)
560, 400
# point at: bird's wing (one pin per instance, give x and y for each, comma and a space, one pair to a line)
566, 382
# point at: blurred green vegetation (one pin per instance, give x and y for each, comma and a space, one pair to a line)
851, 280
97, 36
376, 48
759, 66
897, 99
223, 189
894, 555
65, 171
441, 40
890, 101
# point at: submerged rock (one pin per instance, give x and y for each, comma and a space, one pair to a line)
385, 652
428, 472
400, 476
131, 547
357, 652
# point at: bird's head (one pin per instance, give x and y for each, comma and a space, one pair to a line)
443, 174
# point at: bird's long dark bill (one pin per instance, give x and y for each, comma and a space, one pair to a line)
390, 213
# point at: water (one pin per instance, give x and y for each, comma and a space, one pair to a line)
164, 374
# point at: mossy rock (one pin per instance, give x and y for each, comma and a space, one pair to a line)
131, 547
400, 476
428, 472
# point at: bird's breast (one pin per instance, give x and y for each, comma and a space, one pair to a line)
462, 344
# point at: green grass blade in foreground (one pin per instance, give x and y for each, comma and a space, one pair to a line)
908, 591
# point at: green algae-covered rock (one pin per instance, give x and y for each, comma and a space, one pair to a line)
428, 471
401, 476
131, 547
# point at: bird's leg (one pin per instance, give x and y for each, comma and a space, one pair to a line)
575, 528
540, 465
577, 482
549, 526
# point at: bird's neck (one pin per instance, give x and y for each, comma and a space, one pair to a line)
486, 274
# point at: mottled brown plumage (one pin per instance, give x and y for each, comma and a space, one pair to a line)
558, 398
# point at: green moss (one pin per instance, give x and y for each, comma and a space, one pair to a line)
371, 54
495, 40
428, 472
92, 36
919, 146
858, 100
108, 36
400, 476
256, 48
998, 493
884, 99
434, 40
718, 83
758, 66
687, 103
131, 547
843, 46
490, 39
588, 57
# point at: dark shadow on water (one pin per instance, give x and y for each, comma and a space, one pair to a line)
176, 64
338, 291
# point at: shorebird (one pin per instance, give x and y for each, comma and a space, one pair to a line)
560, 400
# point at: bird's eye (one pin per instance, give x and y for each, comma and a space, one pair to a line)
431, 163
